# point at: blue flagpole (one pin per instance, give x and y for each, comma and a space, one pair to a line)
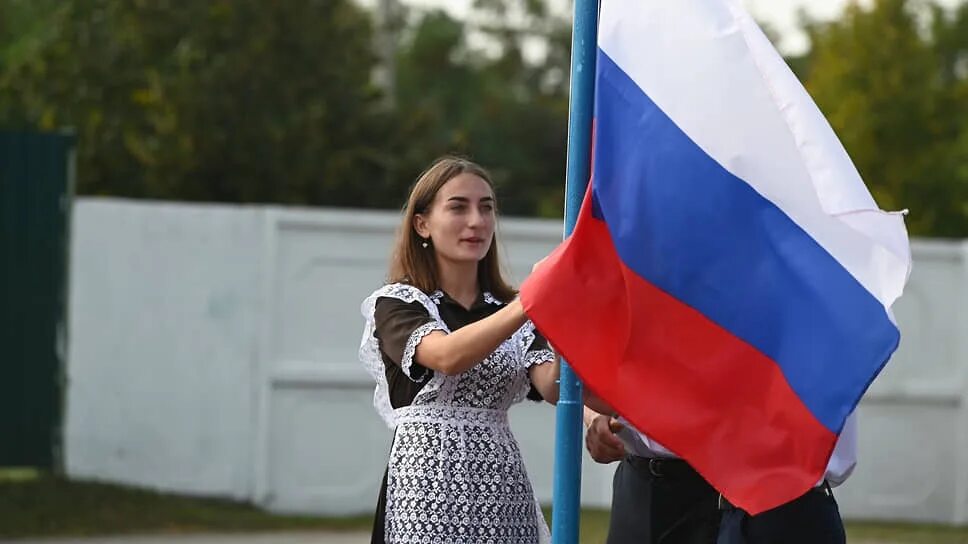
566, 504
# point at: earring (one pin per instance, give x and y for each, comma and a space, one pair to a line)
425, 244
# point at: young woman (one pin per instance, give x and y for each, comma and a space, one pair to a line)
451, 350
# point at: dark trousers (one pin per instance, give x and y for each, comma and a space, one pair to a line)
814, 518
661, 502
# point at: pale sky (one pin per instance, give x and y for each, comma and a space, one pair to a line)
779, 14
782, 16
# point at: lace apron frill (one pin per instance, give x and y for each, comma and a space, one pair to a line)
370, 355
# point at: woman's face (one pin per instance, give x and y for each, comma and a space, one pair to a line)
460, 220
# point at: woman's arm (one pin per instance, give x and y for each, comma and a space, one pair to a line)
596, 403
544, 378
462, 349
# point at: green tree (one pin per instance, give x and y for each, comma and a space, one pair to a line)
227, 100
950, 31
23, 23
895, 94
490, 103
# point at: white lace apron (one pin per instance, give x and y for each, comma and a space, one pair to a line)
455, 472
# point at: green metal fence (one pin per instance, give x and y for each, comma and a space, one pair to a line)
36, 173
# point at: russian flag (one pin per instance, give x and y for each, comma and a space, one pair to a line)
728, 284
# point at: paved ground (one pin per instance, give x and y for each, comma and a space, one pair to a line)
260, 538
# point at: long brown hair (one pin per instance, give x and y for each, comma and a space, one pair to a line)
412, 263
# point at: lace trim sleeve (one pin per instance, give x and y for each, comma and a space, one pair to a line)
538, 357
534, 348
415, 337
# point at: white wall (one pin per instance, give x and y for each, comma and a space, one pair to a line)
164, 316
213, 351
913, 435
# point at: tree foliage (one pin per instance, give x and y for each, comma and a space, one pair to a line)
508, 114
226, 100
893, 82
275, 101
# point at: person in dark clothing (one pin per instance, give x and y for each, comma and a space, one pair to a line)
658, 498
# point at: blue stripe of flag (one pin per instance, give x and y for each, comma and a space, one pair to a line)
704, 236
